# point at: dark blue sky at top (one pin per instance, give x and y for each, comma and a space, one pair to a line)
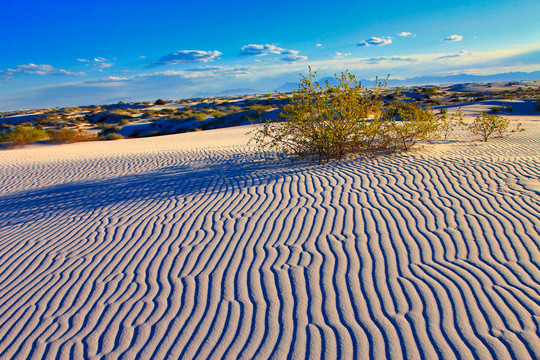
133, 35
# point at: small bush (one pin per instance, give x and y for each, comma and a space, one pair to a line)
434, 102
405, 124
113, 136
160, 102
49, 119
486, 125
22, 135
495, 110
200, 116
448, 123
69, 136
107, 129
508, 108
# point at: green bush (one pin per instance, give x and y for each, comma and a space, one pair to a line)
495, 110
113, 136
69, 136
107, 129
317, 124
200, 116
448, 123
486, 125
22, 135
160, 102
405, 124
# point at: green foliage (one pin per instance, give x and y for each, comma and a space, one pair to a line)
495, 110
113, 136
434, 101
160, 102
48, 119
318, 124
404, 124
69, 136
107, 129
448, 123
200, 116
486, 125
22, 135
429, 91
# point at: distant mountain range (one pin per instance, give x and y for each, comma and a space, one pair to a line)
466, 78
231, 92
433, 80
421, 80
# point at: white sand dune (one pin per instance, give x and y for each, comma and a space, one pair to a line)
193, 246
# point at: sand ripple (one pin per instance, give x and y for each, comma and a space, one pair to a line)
216, 252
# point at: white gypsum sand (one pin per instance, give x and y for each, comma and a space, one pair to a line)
194, 246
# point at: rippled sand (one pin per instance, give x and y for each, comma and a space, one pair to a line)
194, 246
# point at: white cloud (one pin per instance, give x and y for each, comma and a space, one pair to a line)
188, 56
453, 38
404, 33
340, 55
291, 56
381, 59
36, 69
97, 62
260, 50
103, 65
106, 80
375, 41
319, 45
222, 70
462, 53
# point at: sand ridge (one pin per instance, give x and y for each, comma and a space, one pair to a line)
194, 246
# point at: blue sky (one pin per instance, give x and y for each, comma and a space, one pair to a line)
67, 52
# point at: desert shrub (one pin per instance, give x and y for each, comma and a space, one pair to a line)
160, 102
538, 104
405, 124
486, 125
150, 113
113, 136
480, 97
434, 101
217, 113
22, 135
69, 135
429, 91
495, 110
200, 116
107, 129
317, 124
48, 119
233, 109
320, 125
448, 123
